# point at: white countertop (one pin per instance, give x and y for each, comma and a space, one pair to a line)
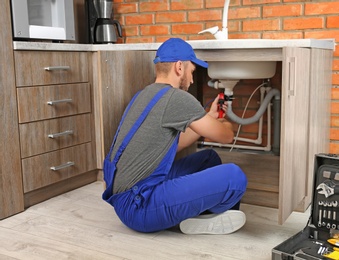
197, 44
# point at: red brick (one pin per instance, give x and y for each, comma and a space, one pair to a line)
187, 4
258, 2
303, 23
261, 25
332, 22
336, 51
215, 3
170, 17
282, 10
212, 24
139, 39
120, 40
335, 121
243, 13
186, 28
131, 30
335, 65
323, 34
282, 35
120, 19
234, 26
249, 35
201, 37
299, 1
322, 8
335, 108
154, 30
161, 38
334, 134
154, 6
125, 8
335, 79
220, 3
211, 15
139, 19
334, 148
205, 36
335, 93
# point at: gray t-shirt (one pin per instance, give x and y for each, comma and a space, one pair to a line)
173, 113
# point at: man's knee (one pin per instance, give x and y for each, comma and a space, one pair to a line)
235, 173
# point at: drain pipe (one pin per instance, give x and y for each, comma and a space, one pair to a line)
271, 92
260, 112
276, 116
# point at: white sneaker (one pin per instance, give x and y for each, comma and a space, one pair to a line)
217, 224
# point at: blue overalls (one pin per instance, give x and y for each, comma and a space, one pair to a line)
176, 190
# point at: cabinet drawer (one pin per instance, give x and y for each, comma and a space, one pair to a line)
50, 135
37, 171
44, 68
45, 102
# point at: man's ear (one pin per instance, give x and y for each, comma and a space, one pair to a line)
179, 68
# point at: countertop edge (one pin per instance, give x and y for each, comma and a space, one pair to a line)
196, 44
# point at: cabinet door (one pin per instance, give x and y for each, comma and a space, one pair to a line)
294, 130
120, 74
320, 110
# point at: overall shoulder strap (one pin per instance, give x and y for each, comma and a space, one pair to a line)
139, 121
122, 119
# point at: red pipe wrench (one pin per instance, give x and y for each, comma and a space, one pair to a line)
220, 104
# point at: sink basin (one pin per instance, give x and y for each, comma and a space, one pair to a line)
236, 70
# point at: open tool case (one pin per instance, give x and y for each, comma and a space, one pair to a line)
312, 241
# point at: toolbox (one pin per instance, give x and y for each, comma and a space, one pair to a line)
320, 237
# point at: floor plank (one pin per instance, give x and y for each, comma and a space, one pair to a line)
80, 225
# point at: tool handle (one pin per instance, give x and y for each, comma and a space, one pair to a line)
220, 103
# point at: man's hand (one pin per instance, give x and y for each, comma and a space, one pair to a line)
215, 106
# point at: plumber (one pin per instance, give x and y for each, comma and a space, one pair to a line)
150, 190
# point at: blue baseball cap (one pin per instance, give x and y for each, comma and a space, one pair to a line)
175, 49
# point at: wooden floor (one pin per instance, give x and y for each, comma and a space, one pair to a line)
79, 225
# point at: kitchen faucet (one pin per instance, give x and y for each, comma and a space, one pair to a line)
223, 34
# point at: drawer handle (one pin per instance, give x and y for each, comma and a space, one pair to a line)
62, 166
53, 68
67, 132
54, 102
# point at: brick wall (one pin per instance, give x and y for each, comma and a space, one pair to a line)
156, 21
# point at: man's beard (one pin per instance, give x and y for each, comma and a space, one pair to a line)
183, 83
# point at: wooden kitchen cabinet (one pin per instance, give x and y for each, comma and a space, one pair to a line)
286, 180
118, 75
55, 122
11, 190
29, 79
